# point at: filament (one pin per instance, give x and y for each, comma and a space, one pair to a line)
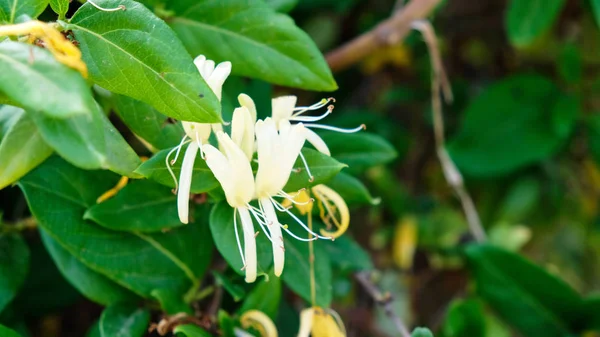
311, 178
283, 209
118, 8
333, 128
237, 236
309, 119
168, 164
183, 141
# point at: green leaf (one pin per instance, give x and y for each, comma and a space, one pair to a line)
124, 321
94, 330
465, 318
546, 306
91, 284
232, 30
359, 150
589, 314
14, 266
89, 142
296, 273
236, 291
9, 115
264, 297
171, 303
21, 150
6, 332
569, 63
352, 190
190, 330
134, 53
593, 136
596, 10
155, 168
322, 167
352, 256
526, 20
58, 195
60, 7
421, 332
12, 9
509, 126
282, 6
147, 123
223, 233
142, 205
39, 81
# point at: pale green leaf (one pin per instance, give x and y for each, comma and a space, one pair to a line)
60, 7
281, 53
526, 20
21, 150
134, 53
44, 84
10, 10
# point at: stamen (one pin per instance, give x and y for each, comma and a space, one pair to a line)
200, 146
333, 128
118, 8
282, 209
262, 223
311, 178
297, 237
301, 109
183, 141
309, 119
237, 237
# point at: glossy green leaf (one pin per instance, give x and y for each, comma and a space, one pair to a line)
351, 255
322, 168
296, 274
223, 233
546, 305
264, 297
60, 7
142, 205
122, 320
282, 6
352, 190
14, 266
134, 53
21, 150
147, 123
359, 150
421, 332
58, 195
190, 330
9, 115
38, 87
514, 123
465, 318
91, 284
235, 290
526, 20
232, 30
10, 10
6, 332
170, 302
89, 142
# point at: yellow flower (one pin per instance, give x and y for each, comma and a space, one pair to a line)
259, 321
320, 322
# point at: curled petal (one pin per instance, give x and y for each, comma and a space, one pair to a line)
331, 204
317, 142
242, 131
259, 321
185, 182
247, 102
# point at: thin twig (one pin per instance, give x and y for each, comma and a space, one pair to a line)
388, 32
441, 86
383, 300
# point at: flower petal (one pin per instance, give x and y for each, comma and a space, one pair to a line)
249, 244
275, 233
317, 142
247, 102
283, 107
185, 182
306, 322
327, 196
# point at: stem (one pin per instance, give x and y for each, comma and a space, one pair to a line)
25, 224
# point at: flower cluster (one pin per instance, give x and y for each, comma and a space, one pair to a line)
258, 198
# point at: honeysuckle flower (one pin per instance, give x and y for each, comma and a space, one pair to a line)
232, 169
320, 322
258, 321
277, 148
196, 134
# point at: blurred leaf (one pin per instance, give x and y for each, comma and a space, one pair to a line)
12, 9
60, 7
190, 330
94, 331
352, 190
596, 10
58, 195
6, 332
569, 64
21, 150
223, 233
593, 136
142, 205
155, 168
89, 142
236, 291
14, 267
421, 332
296, 273
134, 53
546, 305
281, 52
509, 237
265, 297
359, 150
528, 19
170, 302
147, 123
589, 314
124, 320
282, 6
351, 255
226, 324
91, 284
405, 242
37, 89
508, 126
464, 318
521, 200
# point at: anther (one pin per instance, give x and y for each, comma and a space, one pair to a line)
256, 234
332, 99
282, 248
311, 179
